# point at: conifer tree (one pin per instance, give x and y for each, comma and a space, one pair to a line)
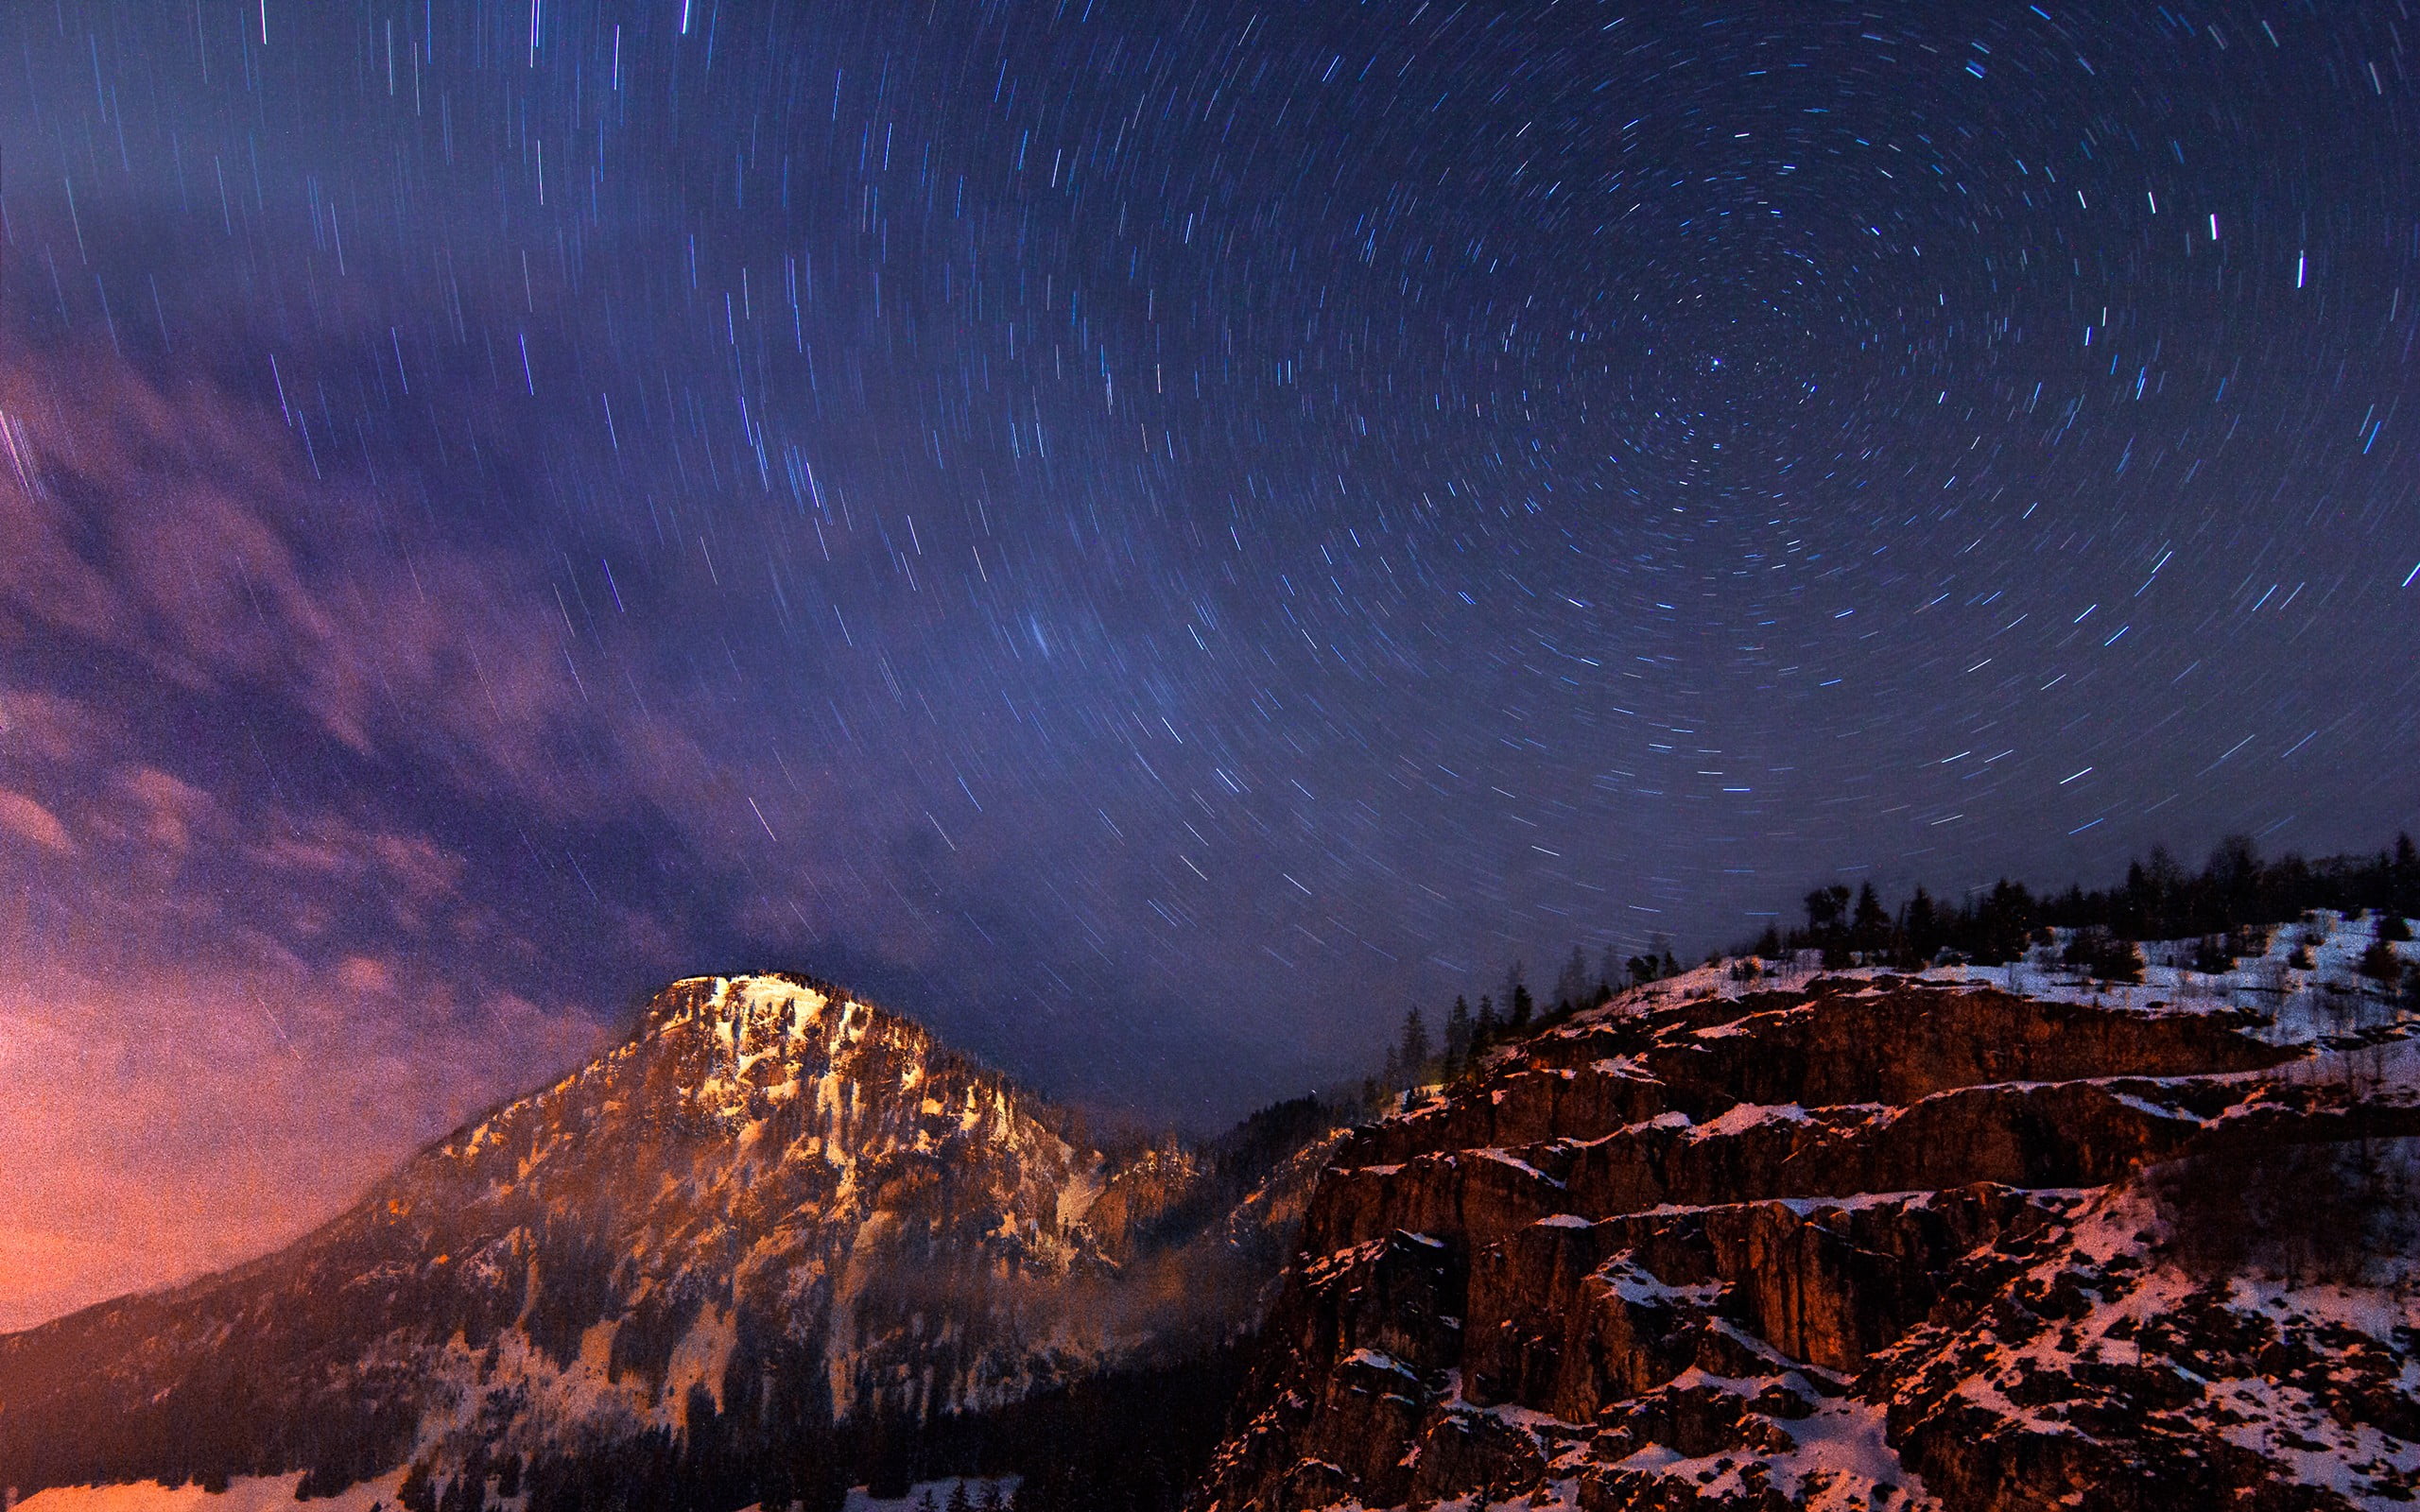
1870, 926
1920, 922
1571, 983
2380, 963
1412, 1056
1458, 1036
1825, 907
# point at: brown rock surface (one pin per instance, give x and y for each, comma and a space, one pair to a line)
1877, 1241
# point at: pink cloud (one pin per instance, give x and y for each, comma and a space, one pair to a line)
39, 725
359, 973
28, 820
167, 809
415, 877
175, 526
165, 1122
179, 526
418, 863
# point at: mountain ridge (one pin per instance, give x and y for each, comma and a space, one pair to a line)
771, 1215
1766, 1236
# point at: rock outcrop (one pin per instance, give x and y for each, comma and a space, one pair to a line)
1875, 1240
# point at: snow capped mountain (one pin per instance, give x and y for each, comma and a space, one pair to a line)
772, 1226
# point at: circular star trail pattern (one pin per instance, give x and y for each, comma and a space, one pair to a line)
1157, 534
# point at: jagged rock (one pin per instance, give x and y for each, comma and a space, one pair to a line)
1874, 1241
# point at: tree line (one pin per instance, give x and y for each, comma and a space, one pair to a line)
1415, 1059
2227, 909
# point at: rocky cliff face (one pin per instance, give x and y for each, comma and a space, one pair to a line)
773, 1214
1873, 1241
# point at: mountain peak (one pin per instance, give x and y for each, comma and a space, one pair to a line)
772, 1200
732, 1050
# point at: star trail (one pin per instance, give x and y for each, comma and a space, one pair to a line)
1148, 534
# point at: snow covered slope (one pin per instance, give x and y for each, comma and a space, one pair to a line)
774, 1215
1981, 1241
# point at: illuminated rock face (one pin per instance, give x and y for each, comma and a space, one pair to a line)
773, 1215
1876, 1241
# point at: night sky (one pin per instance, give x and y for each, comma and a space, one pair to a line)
1149, 536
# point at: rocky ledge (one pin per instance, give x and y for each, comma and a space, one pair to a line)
1871, 1240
